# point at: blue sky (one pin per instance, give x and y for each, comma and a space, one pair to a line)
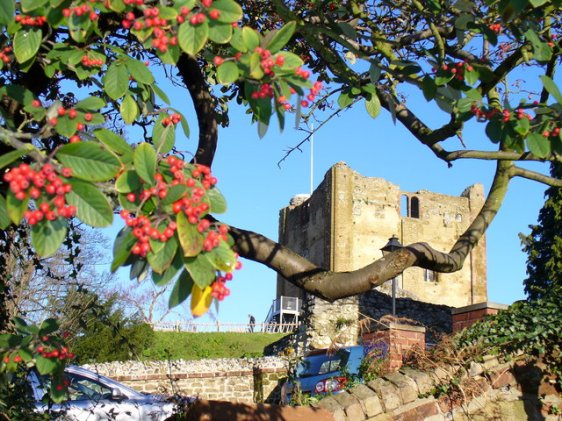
256, 188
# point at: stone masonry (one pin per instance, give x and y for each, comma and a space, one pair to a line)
346, 222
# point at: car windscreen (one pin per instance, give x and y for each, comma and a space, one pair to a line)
315, 365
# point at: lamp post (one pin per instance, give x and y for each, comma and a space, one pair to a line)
392, 245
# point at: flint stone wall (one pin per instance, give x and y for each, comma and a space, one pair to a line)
489, 390
244, 380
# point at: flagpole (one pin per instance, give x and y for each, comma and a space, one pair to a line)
312, 158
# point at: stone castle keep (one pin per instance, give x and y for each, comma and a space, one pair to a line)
349, 218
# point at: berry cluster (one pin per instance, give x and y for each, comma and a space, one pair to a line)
219, 288
144, 231
457, 69
80, 11
161, 36
72, 114
312, 95
265, 91
91, 62
173, 119
45, 187
198, 180
484, 114
31, 20
495, 27
4, 54
61, 353
268, 62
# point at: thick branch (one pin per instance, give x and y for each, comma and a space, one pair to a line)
535, 176
335, 285
202, 99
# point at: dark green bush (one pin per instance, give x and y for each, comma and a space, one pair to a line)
533, 327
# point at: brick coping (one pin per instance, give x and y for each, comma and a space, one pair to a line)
479, 306
164, 376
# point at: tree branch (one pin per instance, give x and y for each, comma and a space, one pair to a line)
203, 101
331, 286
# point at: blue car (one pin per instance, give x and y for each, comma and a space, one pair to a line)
324, 371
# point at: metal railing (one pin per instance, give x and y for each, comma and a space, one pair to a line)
186, 326
284, 304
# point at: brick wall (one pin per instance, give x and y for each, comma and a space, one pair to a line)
466, 316
399, 339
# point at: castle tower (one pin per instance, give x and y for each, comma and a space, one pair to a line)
349, 218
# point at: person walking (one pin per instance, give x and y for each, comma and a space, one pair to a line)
251, 323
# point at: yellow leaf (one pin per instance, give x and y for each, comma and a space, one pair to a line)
200, 300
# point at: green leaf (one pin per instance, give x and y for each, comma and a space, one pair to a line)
291, 61
89, 161
139, 270
162, 260
494, 130
163, 137
26, 43
174, 193
48, 326
4, 218
145, 162
281, 37
472, 76
250, 38
128, 182
429, 88
161, 279
139, 71
228, 72
113, 141
124, 242
92, 103
522, 126
373, 106
116, 80
230, 11
237, 41
220, 33
7, 11
538, 145
552, 89
222, 257
129, 109
345, 100
29, 5
45, 365
191, 240
192, 38
47, 236
201, 270
92, 206
182, 289
10, 157
218, 202
374, 72
16, 208
541, 51
161, 94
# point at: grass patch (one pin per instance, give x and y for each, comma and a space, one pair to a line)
195, 346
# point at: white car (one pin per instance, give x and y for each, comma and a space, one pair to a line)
93, 397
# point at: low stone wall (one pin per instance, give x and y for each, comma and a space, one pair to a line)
245, 380
488, 391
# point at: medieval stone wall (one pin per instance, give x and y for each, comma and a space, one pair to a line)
346, 222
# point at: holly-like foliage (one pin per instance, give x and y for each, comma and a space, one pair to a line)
531, 327
544, 245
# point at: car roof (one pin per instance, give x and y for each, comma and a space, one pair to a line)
76, 369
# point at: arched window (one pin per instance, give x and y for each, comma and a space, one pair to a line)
414, 207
